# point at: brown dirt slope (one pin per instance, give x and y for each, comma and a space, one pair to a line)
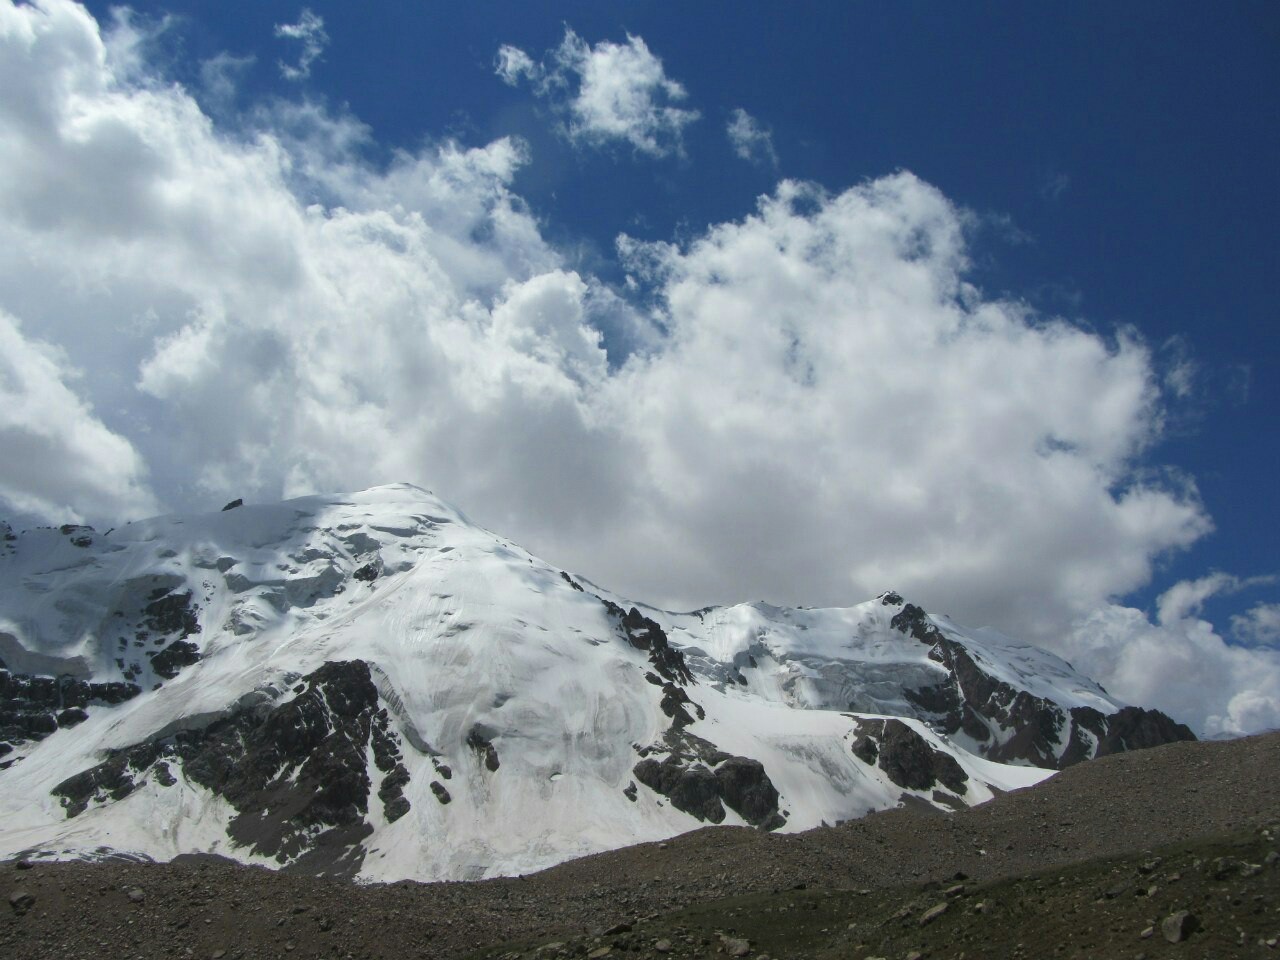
1064, 869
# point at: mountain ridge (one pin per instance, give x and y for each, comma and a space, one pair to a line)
370, 685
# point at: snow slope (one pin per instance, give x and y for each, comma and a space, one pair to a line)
370, 685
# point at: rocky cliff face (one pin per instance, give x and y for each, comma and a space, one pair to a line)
1012, 725
998, 698
32, 707
372, 686
906, 757
294, 772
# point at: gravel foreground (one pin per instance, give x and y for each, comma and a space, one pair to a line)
1171, 852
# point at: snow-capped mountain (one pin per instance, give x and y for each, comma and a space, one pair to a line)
370, 685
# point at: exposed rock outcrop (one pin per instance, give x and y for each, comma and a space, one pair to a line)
179, 654
79, 534
295, 772
484, 748
1015, 726
171, 613
1096, 734
746, 788
692, 788
33, 707
906, 757
701, 779
388, 759
646, 634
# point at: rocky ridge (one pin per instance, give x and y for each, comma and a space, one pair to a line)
1010, 724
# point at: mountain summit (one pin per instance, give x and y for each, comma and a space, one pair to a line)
370, 685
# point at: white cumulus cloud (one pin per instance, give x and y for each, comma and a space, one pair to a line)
60, 460
810, 404
1259, 624
607, 92
750, 140
513, 65
1180, 663
308, 31
827, 359
220, 78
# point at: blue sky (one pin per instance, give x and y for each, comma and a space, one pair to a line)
1049, 344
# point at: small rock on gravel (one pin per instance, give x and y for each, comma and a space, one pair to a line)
1178, 926
1225, 867
21, 901
933, 913
136, 895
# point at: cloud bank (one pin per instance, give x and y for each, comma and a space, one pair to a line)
810, 404
609, 92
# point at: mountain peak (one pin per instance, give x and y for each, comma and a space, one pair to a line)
367, 684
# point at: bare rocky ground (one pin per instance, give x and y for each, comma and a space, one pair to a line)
1170, 852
